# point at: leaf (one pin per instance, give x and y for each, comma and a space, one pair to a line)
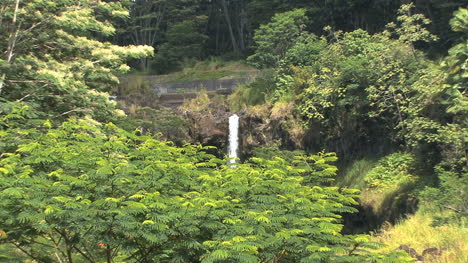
148, 222
219, 254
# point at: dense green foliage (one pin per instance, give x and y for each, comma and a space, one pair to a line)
364, 95
184, 41
88, 191
226, 27
274, 39
52, 62
392, 170
74, 187
80, 181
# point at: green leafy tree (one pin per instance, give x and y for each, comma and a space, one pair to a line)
150, 21
411, 26
457, 61
92, 192
184, 41
51, 59
144, 26
448, 128
360, 84
99, 186
274, 39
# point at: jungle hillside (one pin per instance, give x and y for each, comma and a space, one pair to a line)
233, 131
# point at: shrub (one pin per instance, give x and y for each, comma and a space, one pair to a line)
391, 170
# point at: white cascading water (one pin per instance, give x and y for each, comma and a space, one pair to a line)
233, 138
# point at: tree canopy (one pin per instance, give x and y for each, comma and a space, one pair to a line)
89, 191
52, 60
229, 25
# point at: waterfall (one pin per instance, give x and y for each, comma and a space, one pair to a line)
233, 138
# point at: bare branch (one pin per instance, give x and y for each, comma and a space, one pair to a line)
58, 258
70, 111
11, 43
25, 252
84, 254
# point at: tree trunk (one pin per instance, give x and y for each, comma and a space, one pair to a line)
11, 43
228, 21
109, 254
242, 25
147, 26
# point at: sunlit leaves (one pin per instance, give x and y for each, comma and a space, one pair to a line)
57, 60
91, 183
411, 26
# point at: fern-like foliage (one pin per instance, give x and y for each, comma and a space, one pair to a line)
96, 192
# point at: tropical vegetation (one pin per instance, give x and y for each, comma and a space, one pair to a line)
355, 131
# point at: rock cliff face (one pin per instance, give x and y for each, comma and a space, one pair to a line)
268, 125
208, 129
207, 120
259, 125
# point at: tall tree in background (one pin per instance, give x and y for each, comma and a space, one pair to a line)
185, 41
230, 23
224, 4
150, 21
144, 27
274, 39
236, 19
13, 31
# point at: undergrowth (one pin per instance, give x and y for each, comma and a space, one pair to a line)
353, 175
418, 232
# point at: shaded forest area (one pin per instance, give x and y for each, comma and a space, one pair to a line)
198, 29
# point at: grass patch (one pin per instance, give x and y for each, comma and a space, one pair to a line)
353, 176
386, 184
254, 93
392, 202
418, 233
387, 192
211, 69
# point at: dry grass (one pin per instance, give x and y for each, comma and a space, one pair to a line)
200, 103
261, 111
416, 232
282, 110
